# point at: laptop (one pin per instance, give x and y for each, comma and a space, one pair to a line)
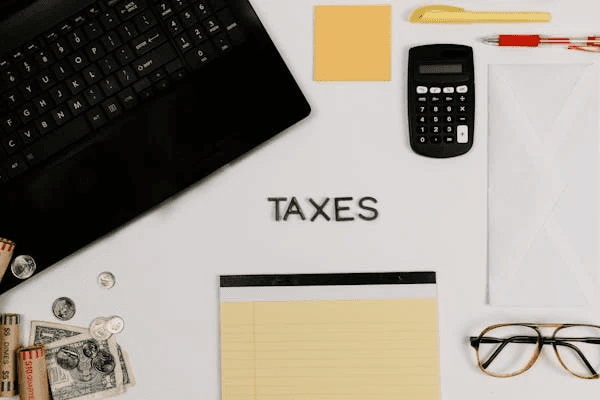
110, 107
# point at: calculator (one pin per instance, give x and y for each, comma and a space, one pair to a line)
441, 99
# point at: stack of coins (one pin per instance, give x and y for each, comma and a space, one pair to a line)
33, 373
10, 334
6, 252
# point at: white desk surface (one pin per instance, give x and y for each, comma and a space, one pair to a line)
432, 217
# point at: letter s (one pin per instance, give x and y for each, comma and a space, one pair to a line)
372, 210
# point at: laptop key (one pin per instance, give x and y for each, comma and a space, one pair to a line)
77, 105
76, 38
43, 58
154, 60
110, 85
108, 65
15, 166
56, 141
112, 108
128, 31
78, 60
128, 98
62, 70
125, 55
45, 124
96, 117
11, 143
61, 115
212, 26
126, 76
222, 43
93, 95
148, 41
174, 66
201, 55
141, 85
164, 8
129, 8
92, 74
27, 134
59, 93
109, 19
75, 84
46, 80
42, 103
145, 21
217, 4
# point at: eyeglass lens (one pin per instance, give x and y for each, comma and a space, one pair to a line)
578, 347
507, 350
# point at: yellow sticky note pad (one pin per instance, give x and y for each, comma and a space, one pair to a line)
376, 349
353, 43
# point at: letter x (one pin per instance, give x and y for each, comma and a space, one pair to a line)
319, 209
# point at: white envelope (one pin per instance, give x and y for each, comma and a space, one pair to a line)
543, 185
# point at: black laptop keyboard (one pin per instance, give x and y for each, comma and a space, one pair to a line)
95, 65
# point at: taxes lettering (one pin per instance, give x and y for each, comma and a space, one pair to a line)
338, 209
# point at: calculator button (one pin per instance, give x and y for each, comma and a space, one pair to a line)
448, 118
461, 118
435, 119
435, 99
422, 139
422, 99
449, 99
448, 109
448, 129
435, 139
421, 90
462, 134
449, 139
462, 98
435, 109
421, 109
462, 109
449, 90
462, 89
435, 129
435, 90
421, 129
422, 119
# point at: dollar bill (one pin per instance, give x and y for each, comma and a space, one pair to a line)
83, 368
44, 332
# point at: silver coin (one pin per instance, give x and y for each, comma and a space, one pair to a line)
63, 308
23, 266
115, 324
98, 329
106, 280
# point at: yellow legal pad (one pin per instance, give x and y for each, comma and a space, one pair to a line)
367, 349
353, 43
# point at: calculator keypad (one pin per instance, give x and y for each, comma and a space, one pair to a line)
443, 114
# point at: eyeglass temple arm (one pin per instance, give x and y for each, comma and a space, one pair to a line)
561, 342
476, 340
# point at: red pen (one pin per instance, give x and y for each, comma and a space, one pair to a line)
590, 43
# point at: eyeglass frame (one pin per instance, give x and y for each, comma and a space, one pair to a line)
541, 341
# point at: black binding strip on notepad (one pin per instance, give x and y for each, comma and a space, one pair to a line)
385, 278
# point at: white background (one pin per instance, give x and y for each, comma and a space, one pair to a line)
355, 143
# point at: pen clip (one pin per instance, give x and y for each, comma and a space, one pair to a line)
590, 46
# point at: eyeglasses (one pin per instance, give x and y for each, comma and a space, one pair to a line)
506, 350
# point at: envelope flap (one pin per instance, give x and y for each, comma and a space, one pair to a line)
541, 89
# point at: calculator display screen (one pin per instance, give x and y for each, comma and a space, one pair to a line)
441, 69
